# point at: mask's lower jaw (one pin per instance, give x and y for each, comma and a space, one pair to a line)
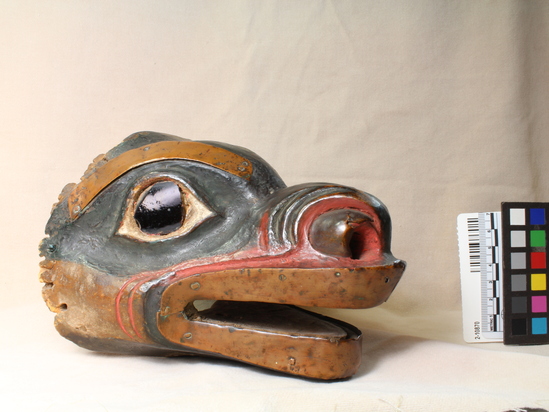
279, 337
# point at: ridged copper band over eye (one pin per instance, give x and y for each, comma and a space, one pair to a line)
93, 184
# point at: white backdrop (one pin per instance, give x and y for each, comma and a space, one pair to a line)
437, 108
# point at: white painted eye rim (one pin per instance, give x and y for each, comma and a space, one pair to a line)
196, 211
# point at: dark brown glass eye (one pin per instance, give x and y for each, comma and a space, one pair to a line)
160, 210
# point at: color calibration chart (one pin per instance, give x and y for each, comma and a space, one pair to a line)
525, 266
504, 261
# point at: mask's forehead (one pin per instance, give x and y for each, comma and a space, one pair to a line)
104, 174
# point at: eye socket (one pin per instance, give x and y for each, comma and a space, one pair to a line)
161, 208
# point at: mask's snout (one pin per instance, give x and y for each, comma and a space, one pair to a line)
329, 225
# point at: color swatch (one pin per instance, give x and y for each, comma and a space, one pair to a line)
524, 237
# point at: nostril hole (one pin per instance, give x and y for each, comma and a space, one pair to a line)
356, 245
345, 233
63, 306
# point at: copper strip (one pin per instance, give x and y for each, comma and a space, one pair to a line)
358, 288
217, 157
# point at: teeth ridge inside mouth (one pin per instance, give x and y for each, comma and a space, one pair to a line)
203, 304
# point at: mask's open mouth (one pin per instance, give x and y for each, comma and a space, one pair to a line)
251, 315
272, 318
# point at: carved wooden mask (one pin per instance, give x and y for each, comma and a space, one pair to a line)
170, 246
